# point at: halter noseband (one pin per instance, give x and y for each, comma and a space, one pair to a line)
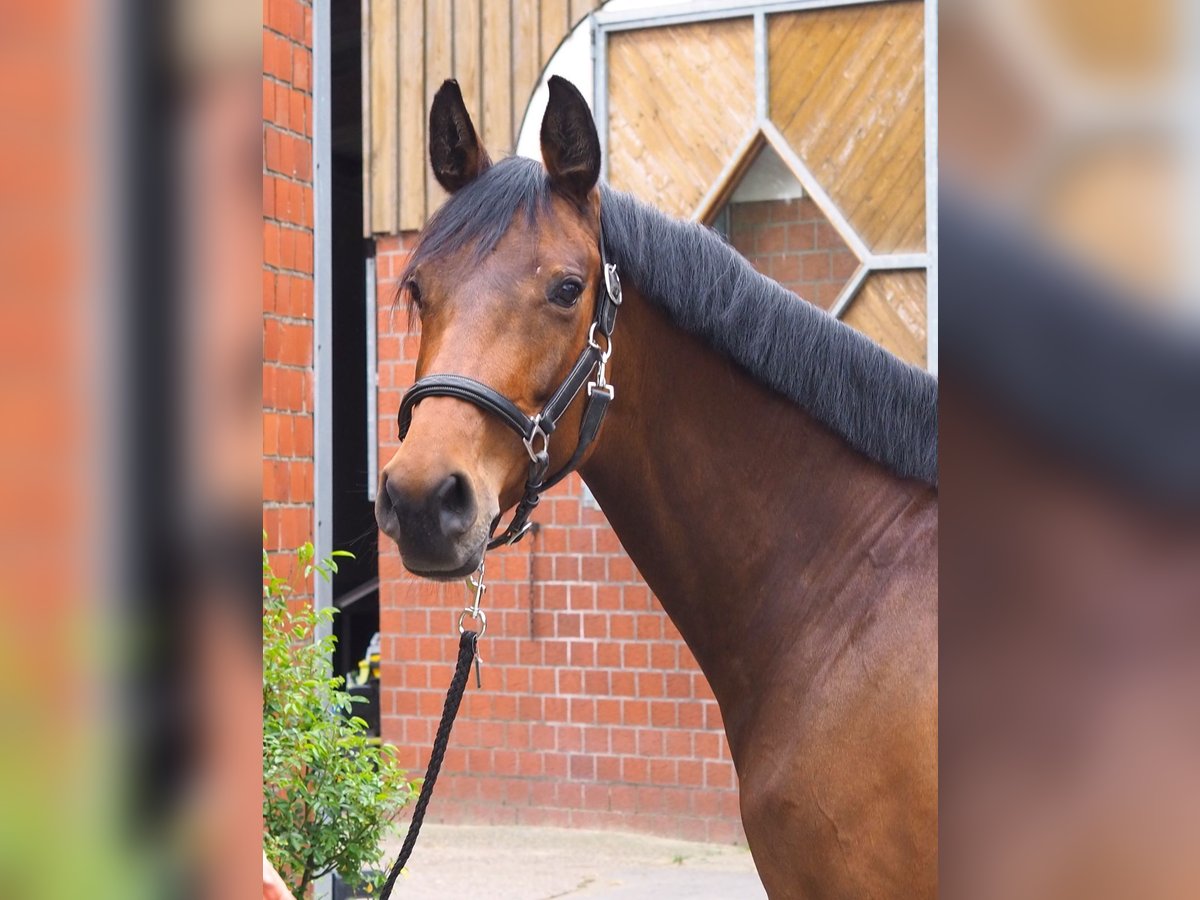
535, 430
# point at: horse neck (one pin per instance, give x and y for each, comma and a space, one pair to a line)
740, 510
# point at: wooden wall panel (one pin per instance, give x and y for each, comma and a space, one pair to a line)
495, 48
382, 136
681, 101
468, 55
411, 112
497, 77
439, 65
526, 56
848, 92
580, 8
890, 309
554, 22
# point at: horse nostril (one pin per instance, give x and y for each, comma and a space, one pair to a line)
392, 492
456, 505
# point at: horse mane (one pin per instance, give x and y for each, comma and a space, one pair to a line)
881, 406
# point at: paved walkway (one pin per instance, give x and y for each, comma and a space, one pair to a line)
516, 863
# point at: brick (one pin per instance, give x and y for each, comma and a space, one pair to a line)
608, 654
621, 626
690, 773
843, 264
662, 771
770, 239
664, 656
275, 481
815, 266
583, 710
301, 68
271, 248
636, 656
801, 236
635, 770
786, 270
662, 714
270, 427
582, 766
608, 769
635, 712
608, 713
282, 107
300, 484
650, 742
297, 117
679, 684
271, 57
593, 568
582, 655
754, 213
570, 681
276, 13
296, 344
827, 237
298, 29
287, 248
650, 684
303, 243
595, 682
623, 684
649, 627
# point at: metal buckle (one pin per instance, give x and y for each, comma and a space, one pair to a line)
604, 388
612, 283
536, 455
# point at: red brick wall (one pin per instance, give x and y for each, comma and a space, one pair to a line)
792, 242
593, 713
287, 275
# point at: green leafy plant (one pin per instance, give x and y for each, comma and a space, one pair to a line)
330, 791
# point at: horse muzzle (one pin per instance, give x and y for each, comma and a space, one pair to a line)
437, 526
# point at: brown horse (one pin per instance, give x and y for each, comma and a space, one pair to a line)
771, 472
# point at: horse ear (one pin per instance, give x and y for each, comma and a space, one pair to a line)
455, 153
570, 145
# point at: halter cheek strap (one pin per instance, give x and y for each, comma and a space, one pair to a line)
535, 430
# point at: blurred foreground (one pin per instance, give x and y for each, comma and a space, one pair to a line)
1070, 450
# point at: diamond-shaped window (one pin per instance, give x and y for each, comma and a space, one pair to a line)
772, 221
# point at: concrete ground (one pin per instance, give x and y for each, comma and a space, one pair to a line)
519, 863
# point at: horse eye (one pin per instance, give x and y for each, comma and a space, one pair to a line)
568, 293
414, 291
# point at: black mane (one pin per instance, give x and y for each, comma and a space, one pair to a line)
883, 407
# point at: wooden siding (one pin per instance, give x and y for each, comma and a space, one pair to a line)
890, 309
847, 90
495, 48
681, 102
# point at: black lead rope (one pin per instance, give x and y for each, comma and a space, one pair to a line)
466, 656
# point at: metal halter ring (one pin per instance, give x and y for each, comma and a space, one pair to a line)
477, 614
606, 350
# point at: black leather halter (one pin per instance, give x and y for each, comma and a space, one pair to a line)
535, 430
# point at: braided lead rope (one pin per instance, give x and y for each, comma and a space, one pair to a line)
466, 655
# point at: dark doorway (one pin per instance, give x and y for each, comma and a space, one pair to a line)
355, 589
